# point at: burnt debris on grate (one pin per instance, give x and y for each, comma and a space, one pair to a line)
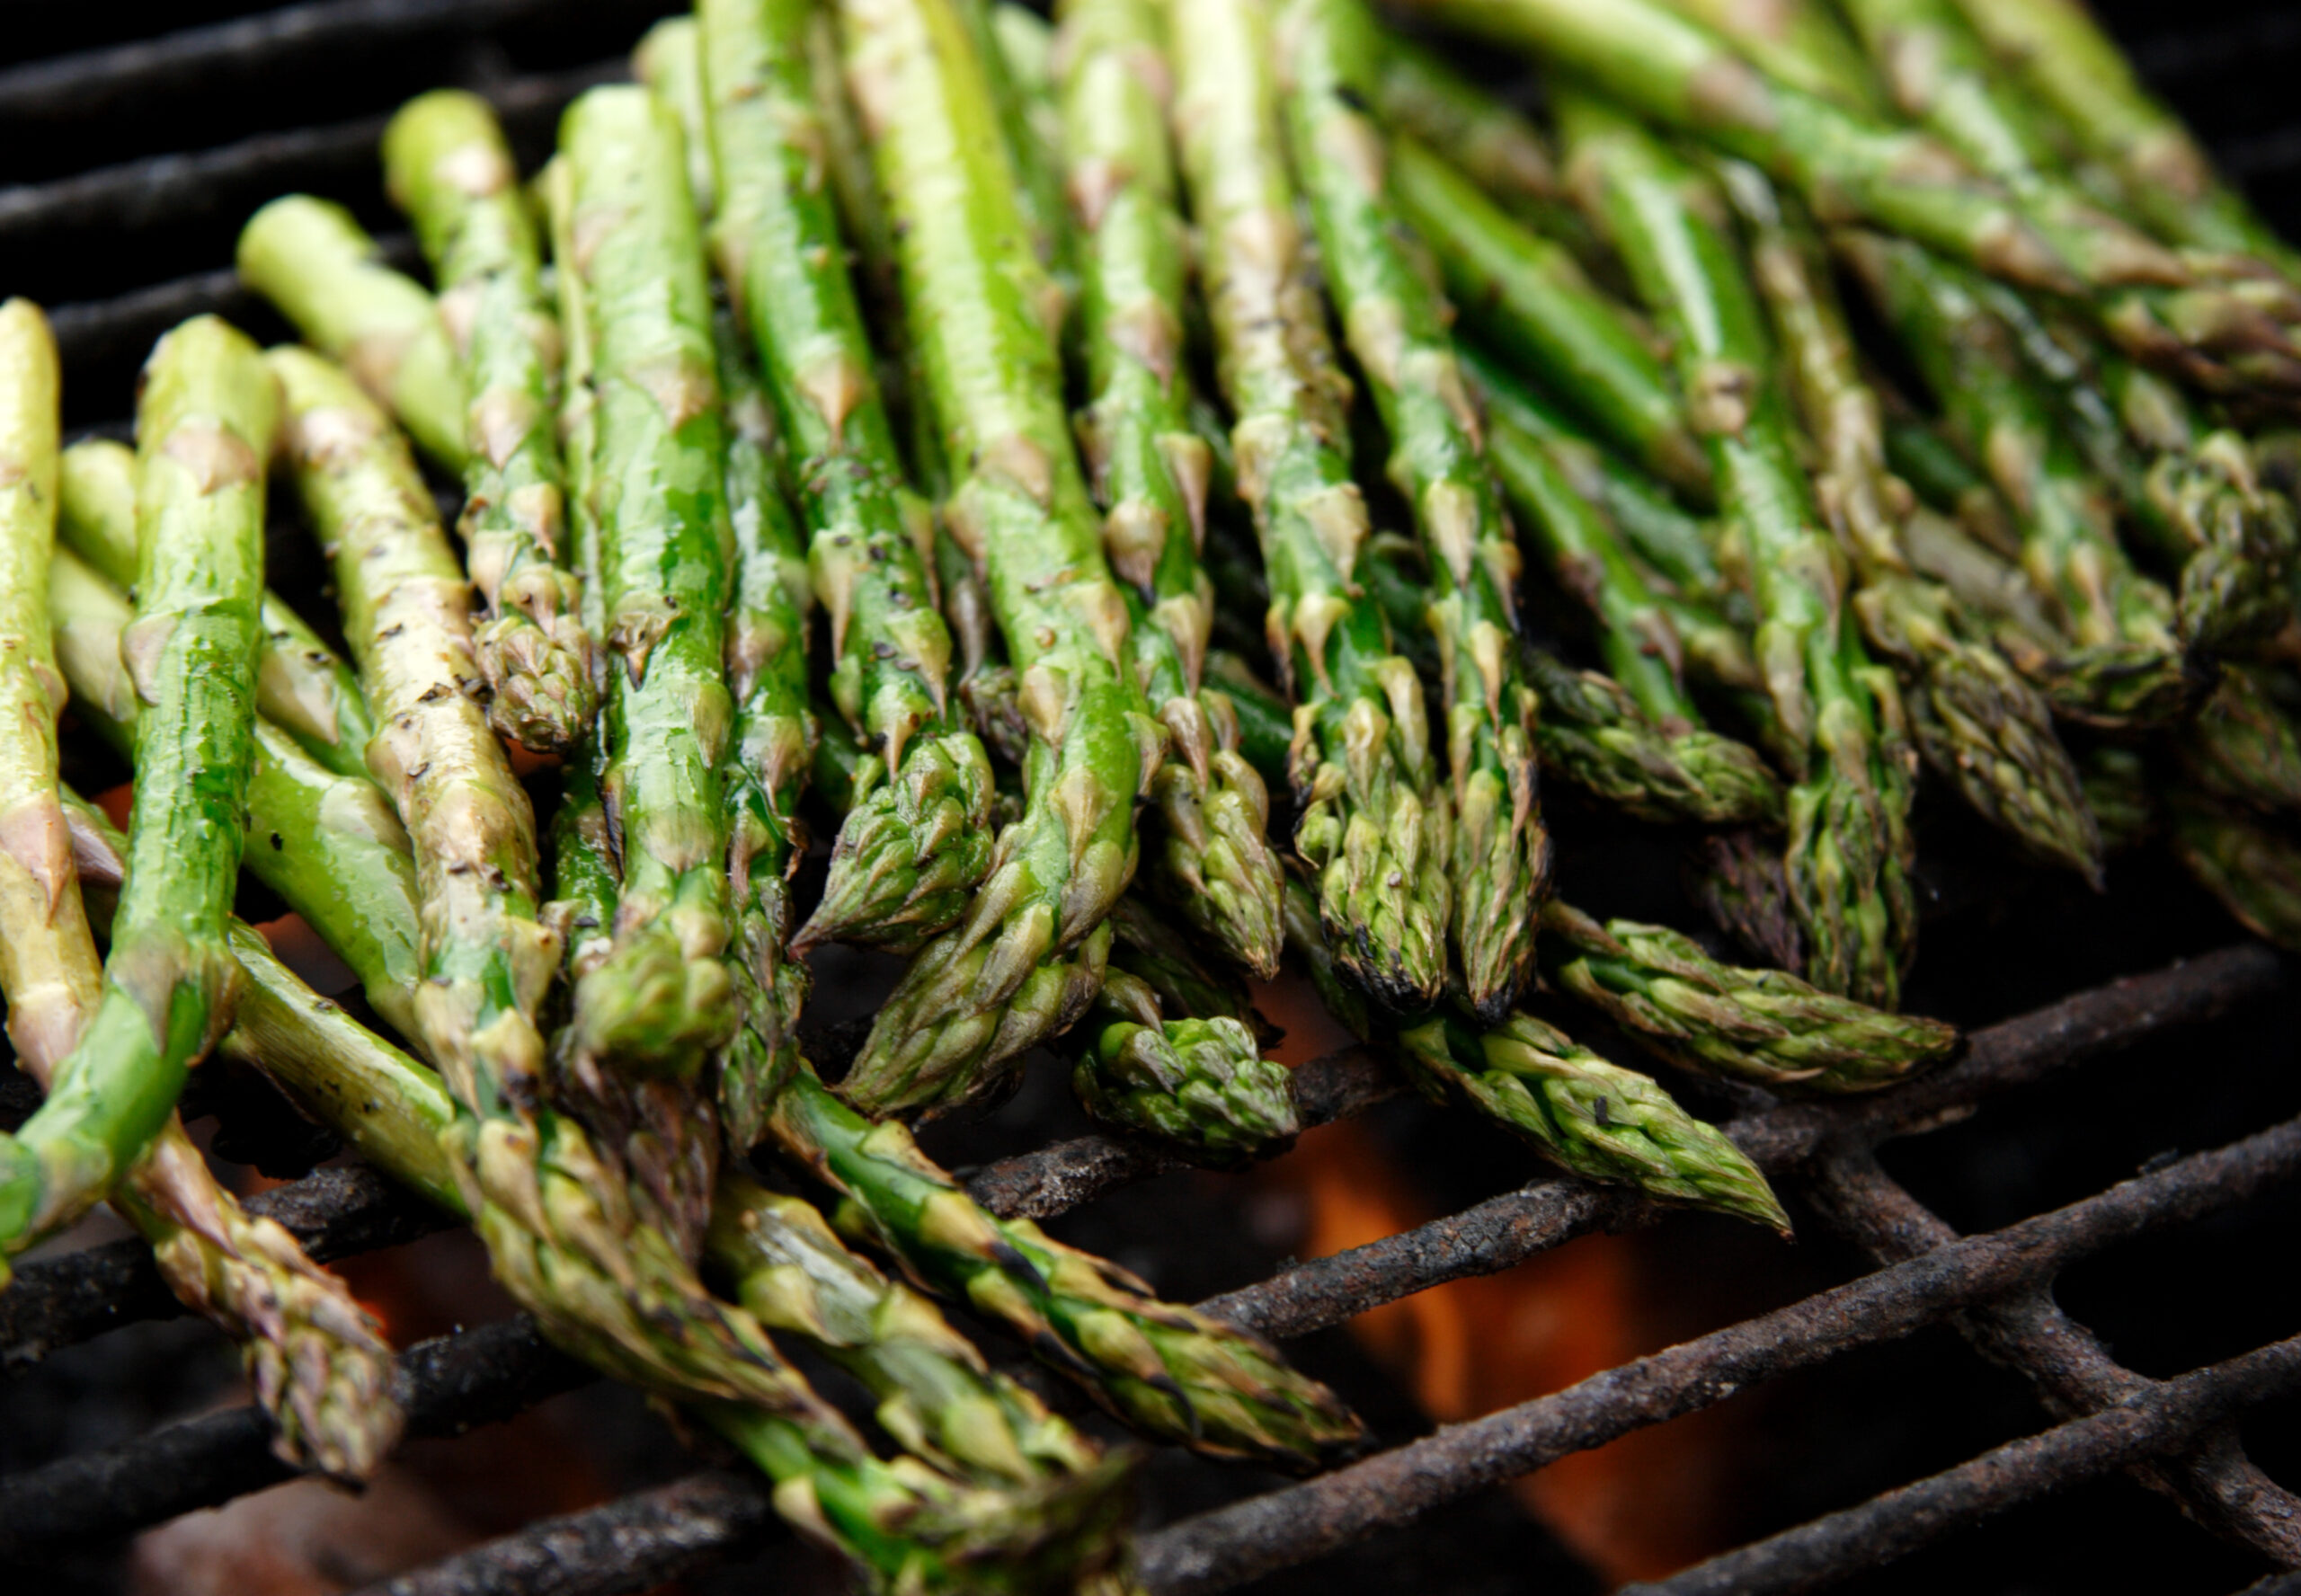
131, 165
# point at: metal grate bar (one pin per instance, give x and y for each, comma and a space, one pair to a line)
162, 191
1218, 1550
1899, 1523
2215, 1483
447, 1386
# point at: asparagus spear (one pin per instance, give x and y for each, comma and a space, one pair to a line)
1762, 1025
347, 871
772, 751
1526, 294
447, 165
1396, 326
318, 1366
567, 1236
657, 1003
1210, 860
1591, 1118
2253, 864
1849, 850
323, 271
1200, 1083
1376, 825
2128, 667
300, 685
1799, 41
1171, 1373
1028, 957
204, 414
1982, 728
2078, 75
2219, 323
916, 837
1152, 950
2241, 745
669, 60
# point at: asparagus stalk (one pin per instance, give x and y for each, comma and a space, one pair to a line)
2241, 745
1376, 824
447, 165
1849, 851
1151, 949
1396, 326
1169, 1372
917, 839
300, 685
669, 60
2219, 323
205, 414
1526, 294
2077, 74
1199, 1083
771, 752
1762, 1025
347, 871
1592, 1118
2118, 790
657, 1003
1799, 41
326, 275
567, 1236
1028, 957
1210, 860
2126, 668
1981, 727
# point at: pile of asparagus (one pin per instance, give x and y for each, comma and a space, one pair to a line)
875, 418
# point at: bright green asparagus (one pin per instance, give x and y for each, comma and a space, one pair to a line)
1028, 957
1209, 859
447, 165
205, 416
1848, 852
323, 271
1376, 824
916, 840
1201, 1084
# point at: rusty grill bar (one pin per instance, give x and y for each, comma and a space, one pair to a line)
2175, 1436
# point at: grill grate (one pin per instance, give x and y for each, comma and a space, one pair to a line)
226, 88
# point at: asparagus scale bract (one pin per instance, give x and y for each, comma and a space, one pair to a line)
1198, 1082
1395, 324
205, 417
1028, 957
917, 839
1377, 822
1848, 849
1210, 860
447, 165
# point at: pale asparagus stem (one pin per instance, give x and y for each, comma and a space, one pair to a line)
300, 685
2122, 664
1982, 728
1210, 861
1377, 822
1200, 1083
447, 167
918, 835
206, 410
1764, 1025
1849, 850
1592, 1118
319, 1365
310, 259
1396, 323
1028, 958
